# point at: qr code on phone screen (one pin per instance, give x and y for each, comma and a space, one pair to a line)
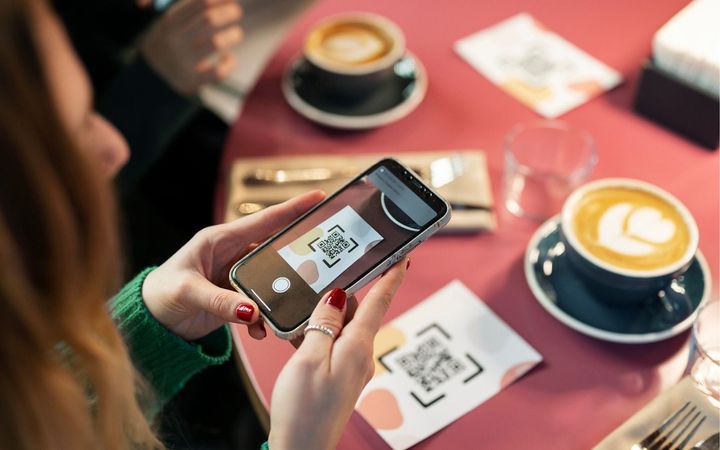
333, 244
431, 364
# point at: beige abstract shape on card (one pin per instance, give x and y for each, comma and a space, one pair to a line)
530, 95
387, 338
300, 245
515, 372
380, 408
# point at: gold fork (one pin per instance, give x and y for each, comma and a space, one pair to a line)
660, 439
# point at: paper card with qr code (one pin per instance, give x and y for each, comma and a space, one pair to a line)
323, 253
438, 361
536, 66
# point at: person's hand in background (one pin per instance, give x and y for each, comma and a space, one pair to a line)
190, 294
316, 391
188, 45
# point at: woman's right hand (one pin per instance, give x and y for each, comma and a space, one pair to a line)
189, 45
316, 391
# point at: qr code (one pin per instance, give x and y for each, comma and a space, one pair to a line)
431, 364
333, 245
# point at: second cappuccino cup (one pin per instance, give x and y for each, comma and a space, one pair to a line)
627, 239
351, 55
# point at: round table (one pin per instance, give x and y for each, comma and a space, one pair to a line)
585, 387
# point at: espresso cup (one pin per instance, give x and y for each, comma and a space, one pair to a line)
352, 54
627, 239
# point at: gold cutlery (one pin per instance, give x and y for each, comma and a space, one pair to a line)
674, 432
440, 172
251, 207
301, 175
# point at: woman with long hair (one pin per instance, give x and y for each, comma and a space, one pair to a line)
83, 366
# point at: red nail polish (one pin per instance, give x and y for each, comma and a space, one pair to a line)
245, 312
407, 266
337, 298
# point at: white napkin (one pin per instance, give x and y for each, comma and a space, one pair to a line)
688, 46
652, 415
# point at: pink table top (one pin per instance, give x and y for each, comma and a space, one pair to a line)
585, 387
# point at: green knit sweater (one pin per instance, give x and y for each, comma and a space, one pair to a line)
165, 360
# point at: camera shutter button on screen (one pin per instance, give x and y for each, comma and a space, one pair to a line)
280, 285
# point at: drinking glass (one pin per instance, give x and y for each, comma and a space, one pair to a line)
544, 162
705, 355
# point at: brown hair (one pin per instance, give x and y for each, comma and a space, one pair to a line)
66, 381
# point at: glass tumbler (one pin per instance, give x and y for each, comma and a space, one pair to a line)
705, 357
544, 162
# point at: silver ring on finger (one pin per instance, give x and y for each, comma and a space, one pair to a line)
321, 328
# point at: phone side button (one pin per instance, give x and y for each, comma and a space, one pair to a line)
412, 247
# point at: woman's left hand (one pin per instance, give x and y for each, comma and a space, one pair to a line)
316, 391
190, 293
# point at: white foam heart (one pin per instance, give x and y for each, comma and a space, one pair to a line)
645, 226
648, 224
611, 233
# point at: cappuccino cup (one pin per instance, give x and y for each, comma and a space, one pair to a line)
352, 54
627, 239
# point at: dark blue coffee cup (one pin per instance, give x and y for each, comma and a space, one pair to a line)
619, 284
353, 80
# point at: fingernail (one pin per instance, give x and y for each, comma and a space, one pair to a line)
407, 266
337, 299
245, 312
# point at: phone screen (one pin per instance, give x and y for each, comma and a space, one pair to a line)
338, 243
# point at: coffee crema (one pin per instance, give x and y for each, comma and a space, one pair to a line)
348, 44
630, 228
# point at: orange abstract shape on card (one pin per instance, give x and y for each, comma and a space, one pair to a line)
590, 88
530, 95
301, 245
387, 338
380, 408
540, 25
515, 372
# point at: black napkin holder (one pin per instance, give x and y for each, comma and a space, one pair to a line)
679, 106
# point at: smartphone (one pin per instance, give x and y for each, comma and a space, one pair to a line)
345, 241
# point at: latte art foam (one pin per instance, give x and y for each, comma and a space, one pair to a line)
348, 44
630, 228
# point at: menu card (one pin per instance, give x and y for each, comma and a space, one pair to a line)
536, 66
437, 362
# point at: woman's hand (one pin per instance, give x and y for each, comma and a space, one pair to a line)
317, 389
189, 44
190, 293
